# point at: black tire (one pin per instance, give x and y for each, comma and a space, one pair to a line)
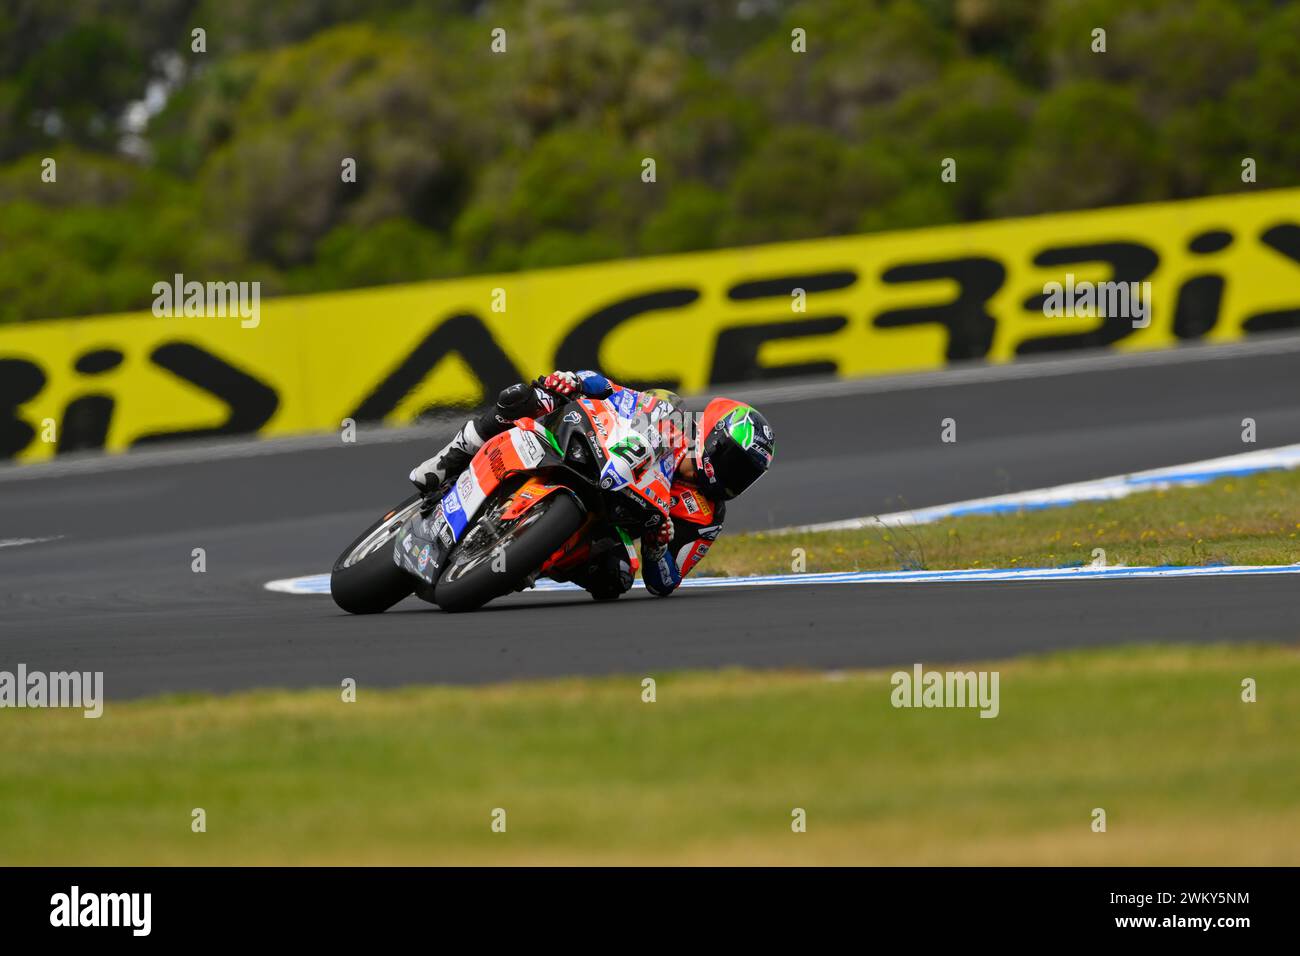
526, 544
373, 583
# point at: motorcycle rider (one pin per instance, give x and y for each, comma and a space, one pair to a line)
732, 448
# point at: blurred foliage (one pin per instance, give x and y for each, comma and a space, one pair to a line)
228, 162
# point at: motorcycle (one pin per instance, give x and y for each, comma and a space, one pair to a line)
529, 505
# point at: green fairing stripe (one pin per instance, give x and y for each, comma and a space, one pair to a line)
550, 439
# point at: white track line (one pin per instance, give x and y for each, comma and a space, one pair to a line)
16, 542
320, 583
1196, 473
1102, 489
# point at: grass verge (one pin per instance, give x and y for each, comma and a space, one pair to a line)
709, 773
1250, 520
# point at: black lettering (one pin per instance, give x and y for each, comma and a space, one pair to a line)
735, 356
85, 423
785, 286
1197, 308
1286, 240
581, 347
251, 402
969, 325
1129, 262
86, 419
20, 382
464, 334
1212, 240
1199, 299
99, 361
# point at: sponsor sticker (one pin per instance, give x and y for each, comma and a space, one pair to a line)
442, 531
457, 519
529, 448
466, 484
423, 561
612, 476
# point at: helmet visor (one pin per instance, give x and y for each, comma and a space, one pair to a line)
734, 468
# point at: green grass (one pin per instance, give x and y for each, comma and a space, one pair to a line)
1250, 520
587, 772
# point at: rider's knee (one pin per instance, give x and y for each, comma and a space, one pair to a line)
608, 576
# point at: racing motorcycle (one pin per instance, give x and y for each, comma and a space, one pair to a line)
529, 505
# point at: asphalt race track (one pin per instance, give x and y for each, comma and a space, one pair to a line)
115, 592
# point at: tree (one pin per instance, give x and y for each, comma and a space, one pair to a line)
1089, 145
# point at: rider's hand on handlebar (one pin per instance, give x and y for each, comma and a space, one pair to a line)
562, 383
662, 534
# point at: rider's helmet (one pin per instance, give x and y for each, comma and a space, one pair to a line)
734, 448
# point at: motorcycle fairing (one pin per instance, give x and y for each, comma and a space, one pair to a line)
423, 543
527, 495
419, 549
518, 449
637, 460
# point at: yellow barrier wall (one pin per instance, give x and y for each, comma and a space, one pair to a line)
1219, 268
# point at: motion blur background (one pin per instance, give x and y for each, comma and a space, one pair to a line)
225, 164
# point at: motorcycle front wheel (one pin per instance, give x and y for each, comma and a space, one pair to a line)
365, 579
497, 557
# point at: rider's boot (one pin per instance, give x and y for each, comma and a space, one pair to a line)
607, 572
517, 401
451, 459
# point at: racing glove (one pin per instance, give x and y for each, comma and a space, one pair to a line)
561, 383
660, 536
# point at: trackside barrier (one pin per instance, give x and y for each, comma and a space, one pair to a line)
1219, 269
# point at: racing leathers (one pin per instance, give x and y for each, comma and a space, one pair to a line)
667, 555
